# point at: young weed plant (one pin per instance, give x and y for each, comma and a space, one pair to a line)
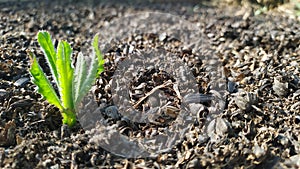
73, 83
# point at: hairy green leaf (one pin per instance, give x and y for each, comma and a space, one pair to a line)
83, 77
65, 73
80, 75
47, 46
44, 86
86, 81
101, 61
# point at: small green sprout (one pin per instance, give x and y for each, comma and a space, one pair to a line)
73, 84
297, 8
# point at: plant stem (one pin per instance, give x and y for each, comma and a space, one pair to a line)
69, 117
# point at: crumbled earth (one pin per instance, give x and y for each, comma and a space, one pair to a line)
260, 54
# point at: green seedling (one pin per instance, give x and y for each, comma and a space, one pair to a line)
73, 83
297, 8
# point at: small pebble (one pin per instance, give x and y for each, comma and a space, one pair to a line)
21, 82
